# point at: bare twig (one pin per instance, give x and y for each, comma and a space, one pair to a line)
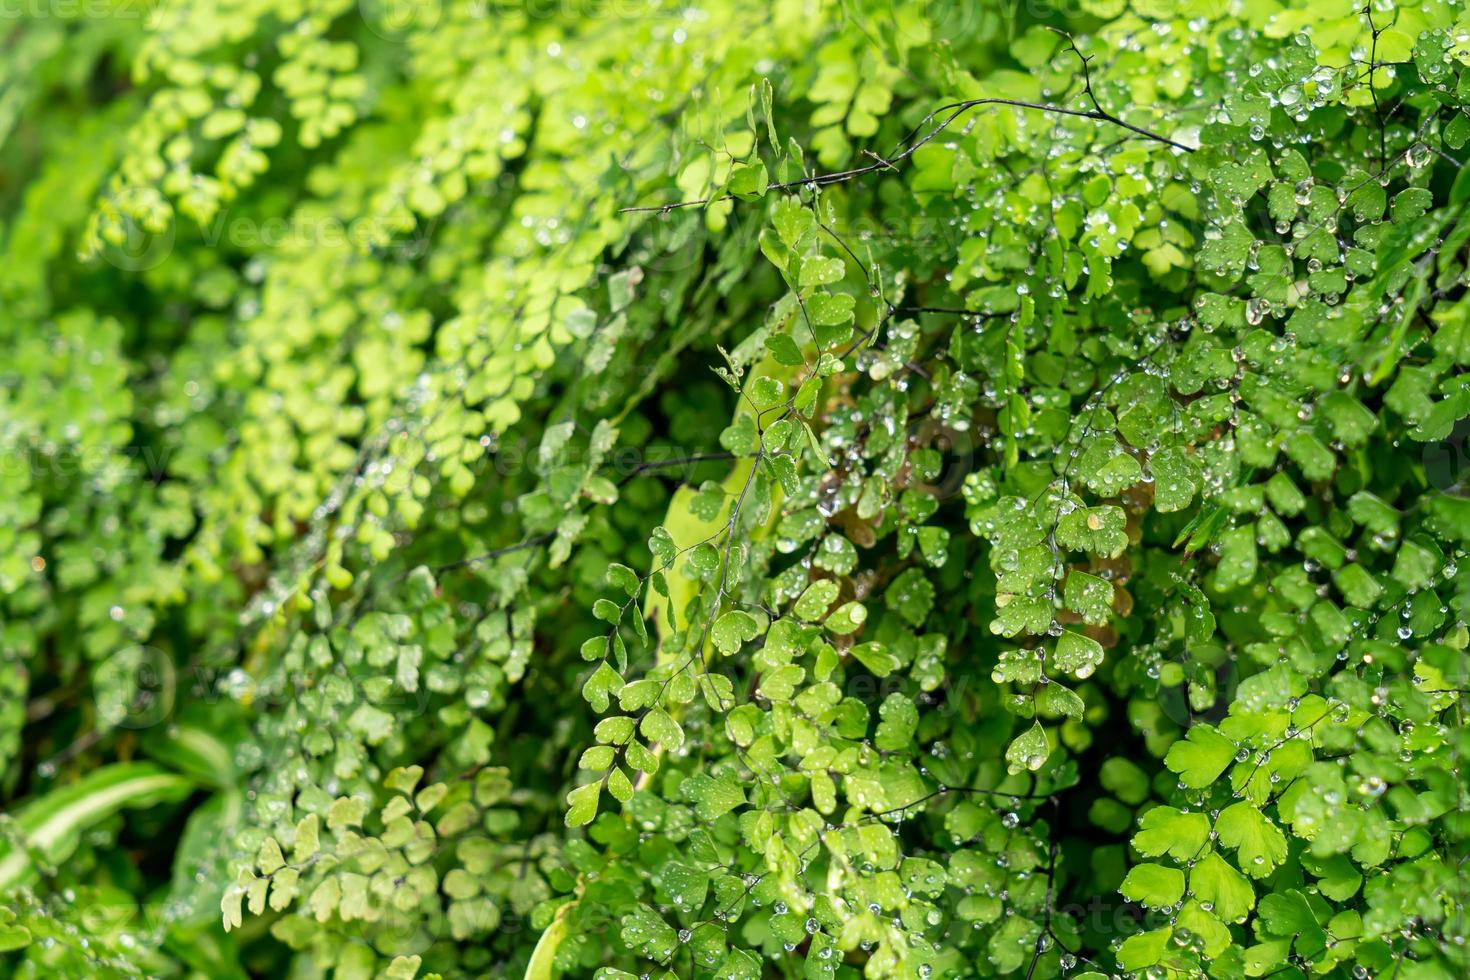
955, 110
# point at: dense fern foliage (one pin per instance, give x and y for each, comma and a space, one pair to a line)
820, 488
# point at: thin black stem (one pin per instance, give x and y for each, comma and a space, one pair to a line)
531, 542
660, 464
956, 110
1373, 67
1042, 941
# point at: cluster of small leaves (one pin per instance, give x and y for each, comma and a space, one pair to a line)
1250, 419
824, 490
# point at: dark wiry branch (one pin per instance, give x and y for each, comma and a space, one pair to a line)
1086, 60
1042, 940
1373, 67
944, 790
660, 464
531, 542
957, 311
955, 110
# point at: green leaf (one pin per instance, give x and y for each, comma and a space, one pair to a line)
846, 618
815, 600
1176, 479
270, 859
900, 719
1077, 654
1056, 699
1201, 756
1143, 949
51, 826
1124, 779
819, 271
582, 804
623, 577
1028, 751
879, 661
542, 964
748, 180
1259, 843
658, 726
791, 221
784, 350
1291, 915
1098, 530
603, 683
13, 938
1153, 885
1179, 834
713, 798
1221, 888
1089, 597
733, 629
